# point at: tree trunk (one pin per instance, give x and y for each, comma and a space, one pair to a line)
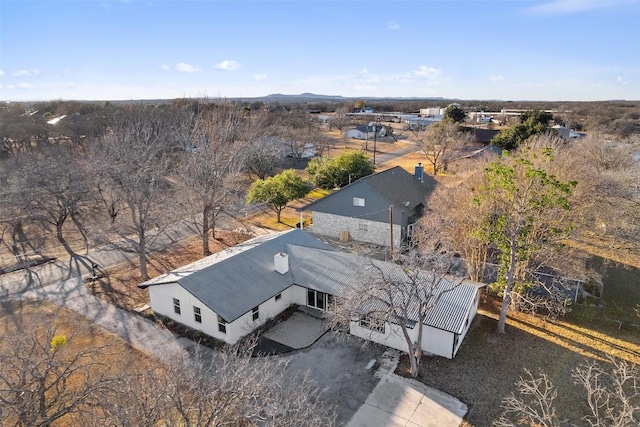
414, 363
278, 212
61, 238
142, 253
506, 297
205, 231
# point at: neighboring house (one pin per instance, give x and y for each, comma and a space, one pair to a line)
484, 136
567, 133
366, 132
373, 208
230, 294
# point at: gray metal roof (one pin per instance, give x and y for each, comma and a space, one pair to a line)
396, 185
234, 281
237, 279
399, 186
333, 272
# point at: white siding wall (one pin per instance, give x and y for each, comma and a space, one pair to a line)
437, 341
434, 341
377, 232
392, 336
162, 303
472, 314
161, 297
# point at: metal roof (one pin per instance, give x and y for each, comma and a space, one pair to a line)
396, 185
240, 278
333, 272
237, 279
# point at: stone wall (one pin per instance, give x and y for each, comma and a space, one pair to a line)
359, 229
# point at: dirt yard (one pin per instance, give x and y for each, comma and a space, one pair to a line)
31, 319
119, 284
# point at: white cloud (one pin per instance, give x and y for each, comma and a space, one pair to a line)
621, 80
393, 25
425, 72
165, 67
26, 73
227, 65
183, 67
259, 77
1, 73
496, 78
563, 7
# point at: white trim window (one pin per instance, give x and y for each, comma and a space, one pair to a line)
371, 323
255, 312
176, 306
197, 314
358, 201
363, 226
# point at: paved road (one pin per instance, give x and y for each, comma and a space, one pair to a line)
382, 158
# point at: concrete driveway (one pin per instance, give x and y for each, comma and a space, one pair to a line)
401, 402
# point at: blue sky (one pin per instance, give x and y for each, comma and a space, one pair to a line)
511, 49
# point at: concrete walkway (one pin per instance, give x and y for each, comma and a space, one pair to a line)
298, 331
398, 401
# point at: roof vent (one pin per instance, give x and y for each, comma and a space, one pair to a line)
281, 263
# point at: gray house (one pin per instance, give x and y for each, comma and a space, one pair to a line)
374, 209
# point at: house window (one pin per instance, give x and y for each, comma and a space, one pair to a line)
256, 313
197, 315
316, 299
363, 227
358, 201
376, 325
278, 297
222, 325
176, 306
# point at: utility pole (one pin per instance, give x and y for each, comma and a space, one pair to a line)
375, 138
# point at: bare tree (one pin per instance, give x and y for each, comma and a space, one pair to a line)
612, 395
209, 177
451, 225
133, 160
535, 407
43, 381
54, 188
299, 135
225, 387
402, 294
442, 143
340, 119
550, 301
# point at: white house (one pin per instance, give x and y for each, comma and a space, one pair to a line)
367, 132
229, 294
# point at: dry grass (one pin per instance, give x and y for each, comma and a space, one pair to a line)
488, 363
119, 285
406, 162
34, 317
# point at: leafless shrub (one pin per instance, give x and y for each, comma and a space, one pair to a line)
612, 395
535, 407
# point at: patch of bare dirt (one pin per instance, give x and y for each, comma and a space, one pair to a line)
119, 283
